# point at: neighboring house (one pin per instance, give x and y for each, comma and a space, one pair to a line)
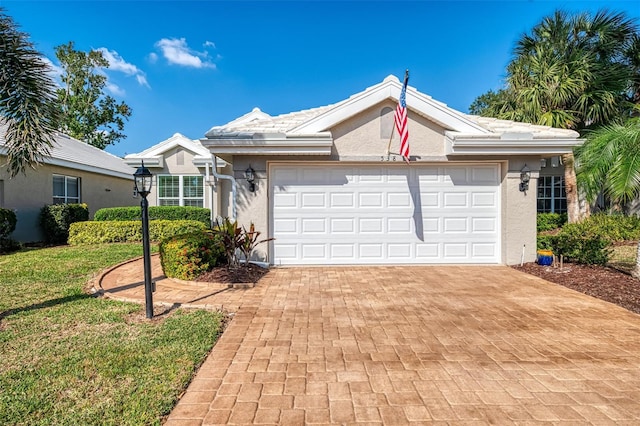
182, 173
328, 192
75, 172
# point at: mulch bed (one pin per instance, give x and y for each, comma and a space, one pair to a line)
601, 282
243, 274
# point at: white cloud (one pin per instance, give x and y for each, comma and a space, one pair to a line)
117, 63
177, 52
209, 44
54, 70
114, 89
153, 58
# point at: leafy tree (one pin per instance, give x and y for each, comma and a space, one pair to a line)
26, 99
86, 112
572, 72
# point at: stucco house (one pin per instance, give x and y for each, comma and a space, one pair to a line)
329, 192
182, 173
74, 172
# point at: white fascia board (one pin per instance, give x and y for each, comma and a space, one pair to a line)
345, 110
477, 146
134, 161
205, 161
390, 89
86, 168
270, 144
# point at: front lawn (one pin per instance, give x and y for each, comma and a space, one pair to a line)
69, 358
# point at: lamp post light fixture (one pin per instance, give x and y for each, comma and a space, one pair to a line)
143, 180
525, 177
250, 175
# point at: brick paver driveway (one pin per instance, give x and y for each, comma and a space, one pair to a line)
392, 345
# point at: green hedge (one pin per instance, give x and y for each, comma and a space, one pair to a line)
550, 221
55, 220
8, 221
155, 213
94, 232
189, 255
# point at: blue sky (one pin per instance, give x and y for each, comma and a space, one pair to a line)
187, 66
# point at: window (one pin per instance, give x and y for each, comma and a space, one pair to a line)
181, 191
552, 197
66, 189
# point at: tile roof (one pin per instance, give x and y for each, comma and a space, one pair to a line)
72, 153
258, 122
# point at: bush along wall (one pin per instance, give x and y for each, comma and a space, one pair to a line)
8, 221
94, 232
189, 255
155, 213
55, 220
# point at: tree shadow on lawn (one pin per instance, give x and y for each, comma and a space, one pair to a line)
43, 305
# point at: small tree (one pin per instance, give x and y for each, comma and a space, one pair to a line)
86, 112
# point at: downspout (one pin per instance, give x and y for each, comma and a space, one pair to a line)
234, 185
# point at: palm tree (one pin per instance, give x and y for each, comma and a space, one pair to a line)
572, 72
26, 99
610, 162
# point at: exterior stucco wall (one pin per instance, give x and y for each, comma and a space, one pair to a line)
519, 212
367, 133
28, 193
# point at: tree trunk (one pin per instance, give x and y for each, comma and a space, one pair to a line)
576, 211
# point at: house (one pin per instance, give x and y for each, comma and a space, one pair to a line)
329, 192
74, 172
182, 174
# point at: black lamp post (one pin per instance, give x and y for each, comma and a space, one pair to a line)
143, 179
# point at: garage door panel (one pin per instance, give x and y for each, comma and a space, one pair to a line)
367, 214
373, 199
314, 226
341, 200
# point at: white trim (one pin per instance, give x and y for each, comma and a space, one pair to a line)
272, 144
390, 89
515, 146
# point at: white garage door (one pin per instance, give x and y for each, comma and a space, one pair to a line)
385, 214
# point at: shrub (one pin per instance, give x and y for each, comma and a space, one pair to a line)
550, 221
8, 221
55, 220
581, 243
613, 227
93, 232
155, 213
235, 238
189, 255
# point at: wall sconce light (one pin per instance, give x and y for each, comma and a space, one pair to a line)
525, 177
543, 162
250, 175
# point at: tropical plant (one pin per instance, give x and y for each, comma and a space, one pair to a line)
232, 238
236, 239
574, 72
251, 241
26, 99
610, 162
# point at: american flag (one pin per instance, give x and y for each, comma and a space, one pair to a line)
401, 119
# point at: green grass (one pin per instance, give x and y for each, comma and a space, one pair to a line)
624, 257
69, 358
